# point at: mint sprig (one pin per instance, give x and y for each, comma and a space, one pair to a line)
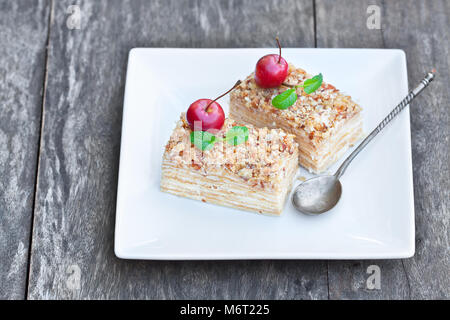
237, 135
205, 140
311, 85
287, 98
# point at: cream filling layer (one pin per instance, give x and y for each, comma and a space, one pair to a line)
228, 190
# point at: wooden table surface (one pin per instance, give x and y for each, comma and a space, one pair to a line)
61, 93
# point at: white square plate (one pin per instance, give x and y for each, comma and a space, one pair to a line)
374, 218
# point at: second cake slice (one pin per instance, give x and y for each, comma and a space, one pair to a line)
326, 122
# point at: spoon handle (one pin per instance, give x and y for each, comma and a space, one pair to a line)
414, 93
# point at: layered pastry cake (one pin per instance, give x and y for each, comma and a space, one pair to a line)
255, 175
324, 122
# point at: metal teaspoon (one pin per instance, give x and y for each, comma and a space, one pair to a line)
320, 194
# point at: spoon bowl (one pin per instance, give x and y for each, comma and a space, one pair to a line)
317, 195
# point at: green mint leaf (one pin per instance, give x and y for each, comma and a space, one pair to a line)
285, 99
203, 140
313, 84
237, 135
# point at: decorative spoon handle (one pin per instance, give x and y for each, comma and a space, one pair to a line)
414, 93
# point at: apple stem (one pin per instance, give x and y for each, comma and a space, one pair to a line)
235, 85
279, 46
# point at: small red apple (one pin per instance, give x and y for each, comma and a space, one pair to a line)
271, 70
207, 113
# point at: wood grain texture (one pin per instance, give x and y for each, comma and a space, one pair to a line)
75, 209
342, 24
23, 36
422, 30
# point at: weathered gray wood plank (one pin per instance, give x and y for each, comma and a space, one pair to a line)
74, 218
342, 24
23, 36
421, 29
